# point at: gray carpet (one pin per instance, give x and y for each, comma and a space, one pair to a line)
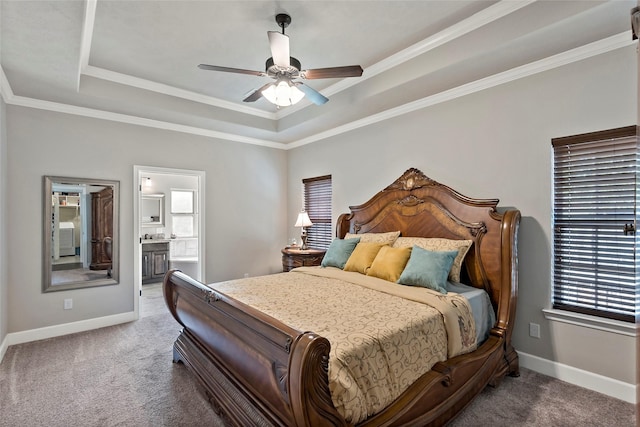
61, 277
124, 376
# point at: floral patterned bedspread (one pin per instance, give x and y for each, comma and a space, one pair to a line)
383, 335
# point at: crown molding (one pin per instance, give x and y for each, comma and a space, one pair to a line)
587, 51
86, 37
128, 80
22, 101
124, 79
40, 104
596, 48
5, 87
480, 19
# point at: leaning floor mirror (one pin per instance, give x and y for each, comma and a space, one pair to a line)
80, 233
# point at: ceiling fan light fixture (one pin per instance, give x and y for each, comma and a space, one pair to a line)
283, 94
284, 69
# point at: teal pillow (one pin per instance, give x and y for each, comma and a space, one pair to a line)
428, 269
339, 252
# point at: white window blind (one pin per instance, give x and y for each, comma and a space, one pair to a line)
594, 217
317, 203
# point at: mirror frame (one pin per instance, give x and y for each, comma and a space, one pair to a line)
47, 264
159, 198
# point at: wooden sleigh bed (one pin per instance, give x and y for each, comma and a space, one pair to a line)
258, 371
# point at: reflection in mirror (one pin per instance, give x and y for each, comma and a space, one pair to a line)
80, 233
152, 210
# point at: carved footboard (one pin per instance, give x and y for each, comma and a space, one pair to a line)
254, 369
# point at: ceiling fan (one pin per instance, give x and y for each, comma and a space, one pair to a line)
284, 69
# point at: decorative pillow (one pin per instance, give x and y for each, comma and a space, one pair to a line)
428, 269
384, 238
339, 252
389, 263
362, 257
439, 245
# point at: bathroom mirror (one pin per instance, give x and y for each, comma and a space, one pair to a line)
152, 210
81, 238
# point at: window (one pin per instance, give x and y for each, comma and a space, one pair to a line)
183, 213
317, 203
594, 217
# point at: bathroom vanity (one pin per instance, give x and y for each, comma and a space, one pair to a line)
155, 260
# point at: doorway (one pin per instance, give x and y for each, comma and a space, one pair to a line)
169, 224
69, 230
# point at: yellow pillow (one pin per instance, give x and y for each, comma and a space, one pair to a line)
362, 257
389, 263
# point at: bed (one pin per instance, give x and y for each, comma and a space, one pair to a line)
257, 370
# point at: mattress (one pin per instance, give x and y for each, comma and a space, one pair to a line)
481, 307
383, 336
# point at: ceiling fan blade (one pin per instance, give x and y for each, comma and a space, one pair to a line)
333, 72
256, 94
313, 95
279, 44
230, 70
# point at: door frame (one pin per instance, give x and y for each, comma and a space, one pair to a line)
138, 173
84, 218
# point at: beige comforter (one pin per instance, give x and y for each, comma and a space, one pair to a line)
383, 335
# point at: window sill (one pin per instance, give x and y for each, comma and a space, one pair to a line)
593, 322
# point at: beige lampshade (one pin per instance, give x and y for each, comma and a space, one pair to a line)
303, 220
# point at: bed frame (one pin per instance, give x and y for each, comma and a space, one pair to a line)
257, 371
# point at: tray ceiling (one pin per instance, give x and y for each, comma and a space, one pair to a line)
137, 61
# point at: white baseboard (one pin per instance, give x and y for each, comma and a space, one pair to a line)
64, 329
3, 347
589, 380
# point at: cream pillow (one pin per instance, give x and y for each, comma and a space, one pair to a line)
389, 263
439, 245
384, 238
362, 257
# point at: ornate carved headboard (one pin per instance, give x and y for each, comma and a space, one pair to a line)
421, 207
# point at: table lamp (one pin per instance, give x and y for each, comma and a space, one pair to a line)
304, 222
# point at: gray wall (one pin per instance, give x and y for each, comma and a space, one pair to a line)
496, 143
245, 196
4, 286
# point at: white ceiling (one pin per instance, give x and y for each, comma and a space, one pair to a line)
136, 61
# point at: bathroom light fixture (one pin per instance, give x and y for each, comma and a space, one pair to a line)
304, 222
283, 93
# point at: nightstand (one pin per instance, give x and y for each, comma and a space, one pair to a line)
294, 257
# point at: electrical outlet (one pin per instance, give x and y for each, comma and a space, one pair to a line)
68, 304
534, 330
246, 275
